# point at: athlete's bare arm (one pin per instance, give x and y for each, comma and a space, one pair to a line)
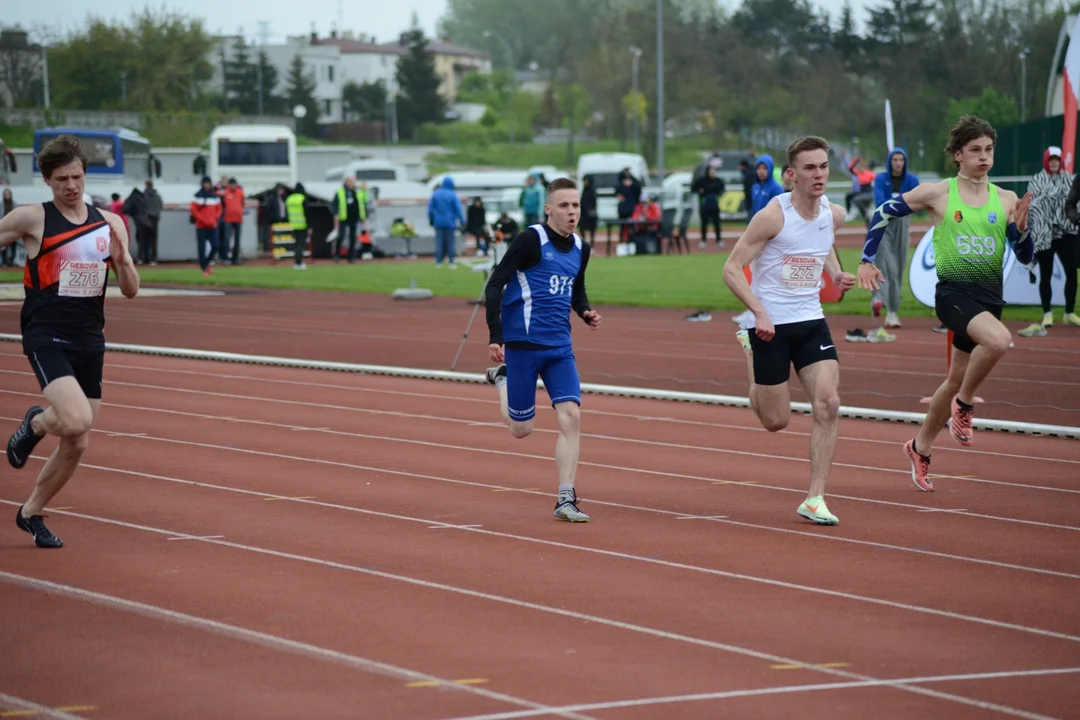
763, 227
26, 222
124, 267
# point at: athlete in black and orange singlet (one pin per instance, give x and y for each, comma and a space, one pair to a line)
70, 247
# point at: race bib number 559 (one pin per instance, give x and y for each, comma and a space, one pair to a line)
79, 278
802, 271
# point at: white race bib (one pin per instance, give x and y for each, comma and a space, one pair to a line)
802, 271
82, 278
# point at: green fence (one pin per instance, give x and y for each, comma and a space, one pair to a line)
1020, 149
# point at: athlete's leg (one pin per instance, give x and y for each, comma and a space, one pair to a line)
63, 462
817, 365
770, 368
568, 445
992, 340
822, 382
560, 375
941, 405
517, 390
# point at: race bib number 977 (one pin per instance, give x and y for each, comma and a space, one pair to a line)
79, 278
802, 271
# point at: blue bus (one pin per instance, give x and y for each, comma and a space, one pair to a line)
111, 154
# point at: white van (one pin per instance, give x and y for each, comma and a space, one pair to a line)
604, 169
370, 169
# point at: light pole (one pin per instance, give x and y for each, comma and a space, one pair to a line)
660, 88
1023, 84
513, 79
637, 56
45, 73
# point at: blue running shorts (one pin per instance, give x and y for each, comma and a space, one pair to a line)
557, 367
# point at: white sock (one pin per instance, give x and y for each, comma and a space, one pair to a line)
566, 489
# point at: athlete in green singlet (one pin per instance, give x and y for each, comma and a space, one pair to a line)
973, 220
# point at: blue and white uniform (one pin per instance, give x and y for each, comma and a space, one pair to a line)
543, 274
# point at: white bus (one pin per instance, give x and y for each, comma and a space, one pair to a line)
258, 156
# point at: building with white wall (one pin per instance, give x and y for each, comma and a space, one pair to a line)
321, 62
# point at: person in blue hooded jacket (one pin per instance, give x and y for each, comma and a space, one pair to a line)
892, 253
766, 187
446, 215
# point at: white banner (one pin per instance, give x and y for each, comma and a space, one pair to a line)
1018, 288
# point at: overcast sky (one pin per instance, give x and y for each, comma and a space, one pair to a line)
384, 20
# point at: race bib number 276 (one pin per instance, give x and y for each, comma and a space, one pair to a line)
80, 278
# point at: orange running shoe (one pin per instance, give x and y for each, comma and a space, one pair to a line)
961, 422
920, 467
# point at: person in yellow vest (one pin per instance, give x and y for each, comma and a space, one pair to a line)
349, 211
296, 208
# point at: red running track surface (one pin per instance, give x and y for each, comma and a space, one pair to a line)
248, 541
1037, 381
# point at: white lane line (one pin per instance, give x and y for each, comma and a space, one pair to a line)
262, 639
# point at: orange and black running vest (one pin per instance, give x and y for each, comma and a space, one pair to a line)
65, 283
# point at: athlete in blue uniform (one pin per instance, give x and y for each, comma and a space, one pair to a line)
543, 273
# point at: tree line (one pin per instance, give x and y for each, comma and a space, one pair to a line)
162, 62
770, 69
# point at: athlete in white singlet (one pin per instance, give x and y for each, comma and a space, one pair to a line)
790, 244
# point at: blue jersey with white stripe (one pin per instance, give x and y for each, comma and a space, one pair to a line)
536, 303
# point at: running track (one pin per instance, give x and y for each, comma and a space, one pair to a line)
1037, 381
249, 541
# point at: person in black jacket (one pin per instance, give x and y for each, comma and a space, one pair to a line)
476, 225
709, 188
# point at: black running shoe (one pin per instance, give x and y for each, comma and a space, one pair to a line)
24, 440
493, 373
35, 525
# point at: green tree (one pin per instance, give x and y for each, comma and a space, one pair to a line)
576, 106
241, 79
161, 57
419, 100
366, 102
993, 106
273, 103
300, 90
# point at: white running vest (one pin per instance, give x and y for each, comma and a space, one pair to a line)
787, 274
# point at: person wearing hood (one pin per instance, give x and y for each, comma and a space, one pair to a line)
892, 253
1053, 226
445, 215
766, 187
531, 200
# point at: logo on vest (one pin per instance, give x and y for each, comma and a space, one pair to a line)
102, 244
958, 216
992, 217
549, 256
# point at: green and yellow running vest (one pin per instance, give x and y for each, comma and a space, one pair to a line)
294, 206
969, 246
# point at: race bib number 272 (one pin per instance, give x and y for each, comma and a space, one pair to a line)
802, 271
80, 278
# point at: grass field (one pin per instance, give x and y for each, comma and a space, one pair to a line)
687, 281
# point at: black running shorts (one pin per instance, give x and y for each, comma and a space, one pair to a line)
956, 309
86, 366
799, 344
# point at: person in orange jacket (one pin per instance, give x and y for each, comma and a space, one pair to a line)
205, 214
233, 201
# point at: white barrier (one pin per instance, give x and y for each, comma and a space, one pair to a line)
591, 388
